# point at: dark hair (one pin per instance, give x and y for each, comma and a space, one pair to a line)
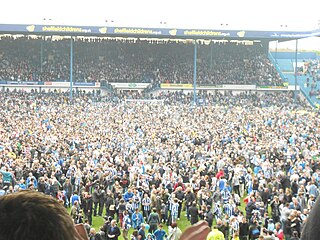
34, 216
135, 233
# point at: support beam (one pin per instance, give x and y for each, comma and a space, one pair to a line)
296, 73
195, 74
41, 53
211, 47
71, 67
276, 55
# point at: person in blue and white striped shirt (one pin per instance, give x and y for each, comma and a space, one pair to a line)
136, 200
129, 208
126, 224
225, 195
217, 210
146, 204
234, 225
229, 208
174, 210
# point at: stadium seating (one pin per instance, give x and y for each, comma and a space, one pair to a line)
26, 59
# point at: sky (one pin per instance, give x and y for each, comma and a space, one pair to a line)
224, 14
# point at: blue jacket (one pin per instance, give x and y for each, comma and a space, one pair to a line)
127, 196
74, 198
137, 219
160, 234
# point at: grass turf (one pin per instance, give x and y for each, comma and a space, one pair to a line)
183, 223
98, 222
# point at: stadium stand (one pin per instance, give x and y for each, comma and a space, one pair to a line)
307, 72
134, 61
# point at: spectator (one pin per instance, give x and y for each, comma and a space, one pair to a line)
113, 231
160, 234
215, 234
175, 232
49, 219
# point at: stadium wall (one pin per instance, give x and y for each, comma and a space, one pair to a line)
174, 87
45, 89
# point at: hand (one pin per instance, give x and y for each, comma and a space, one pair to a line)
198, 231
81, 233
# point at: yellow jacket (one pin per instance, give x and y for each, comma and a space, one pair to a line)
215, 234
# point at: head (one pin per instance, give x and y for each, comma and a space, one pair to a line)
32, 214
113, 223
92, 231
135, 233
174, 225
143, 226
219, 221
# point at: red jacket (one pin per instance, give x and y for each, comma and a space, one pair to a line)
220, 174
178, 184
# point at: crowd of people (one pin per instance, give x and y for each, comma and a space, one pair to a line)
245, 163
313, 71
94, 60
205, 98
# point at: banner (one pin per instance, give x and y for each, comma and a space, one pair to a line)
207, 86
62, 29
59, 84
206, 33
53, 84
167, 32
130, 85
86, 84
22, 83
176, 85
239, 87
137, 31
273, 87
